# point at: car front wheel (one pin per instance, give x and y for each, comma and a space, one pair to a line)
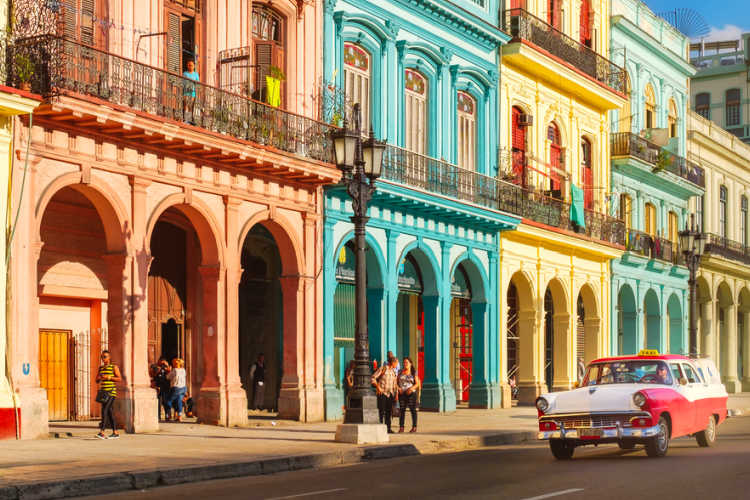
658, 445
561, 449
707, 437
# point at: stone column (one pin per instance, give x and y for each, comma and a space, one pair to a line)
291, 398
591, 333
746, 352
530, 384
211, 405
563, 354
730, 350
480, 394
708, 330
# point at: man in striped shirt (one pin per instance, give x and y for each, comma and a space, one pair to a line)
385, 381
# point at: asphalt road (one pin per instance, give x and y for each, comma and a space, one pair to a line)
515, 472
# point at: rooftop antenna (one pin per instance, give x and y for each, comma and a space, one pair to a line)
689, 22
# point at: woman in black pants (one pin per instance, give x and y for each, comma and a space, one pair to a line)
108, 376
408, 389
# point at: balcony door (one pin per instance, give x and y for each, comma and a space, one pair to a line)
80, 22
587, 174
268, 49
182, 41
554, 14
467, 131
357, 80
650, 219
556, 161
519, 149
416, 112
585, 28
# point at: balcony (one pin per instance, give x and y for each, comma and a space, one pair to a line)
63, 67
653, 247
527, 28
629, 144
724, 247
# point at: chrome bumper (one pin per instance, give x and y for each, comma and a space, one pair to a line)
610, 433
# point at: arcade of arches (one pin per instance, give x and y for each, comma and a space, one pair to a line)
157, 266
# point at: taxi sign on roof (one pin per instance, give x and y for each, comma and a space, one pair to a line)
648, 352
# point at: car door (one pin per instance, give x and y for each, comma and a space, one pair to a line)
694, 395
681, 410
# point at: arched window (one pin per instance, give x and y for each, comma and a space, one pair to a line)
650, 219
650, 109
357, 80
556, 161
268, 46
626, 207
733, 115
554, 17
467, 131
519, 147
587, 174
673, 227
672, 118
743, 220
585, 30
416, 112
723, 211
703, 105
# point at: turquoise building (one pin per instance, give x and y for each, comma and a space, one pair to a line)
652, 181
426, 76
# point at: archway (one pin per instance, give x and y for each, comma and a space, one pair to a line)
652, 320
558, 339
81, 297
727, 325
677, 343
706, 315
743, 337
522, 362
627, 340
588, 324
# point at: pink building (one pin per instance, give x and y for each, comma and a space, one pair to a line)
162, 216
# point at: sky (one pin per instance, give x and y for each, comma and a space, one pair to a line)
727, 19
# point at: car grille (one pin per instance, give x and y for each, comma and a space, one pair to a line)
579, 421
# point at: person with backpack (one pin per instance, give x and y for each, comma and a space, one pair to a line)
107, 378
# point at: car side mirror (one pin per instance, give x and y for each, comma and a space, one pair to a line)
683, 381
576, 385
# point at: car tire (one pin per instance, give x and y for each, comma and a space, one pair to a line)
626, 444
707, 437
658, 445
561, 449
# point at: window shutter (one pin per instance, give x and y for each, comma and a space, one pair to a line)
87, 22
263, 59
585, 22
278, 61
69, 21
174, 43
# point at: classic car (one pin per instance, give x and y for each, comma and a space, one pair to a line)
647, 399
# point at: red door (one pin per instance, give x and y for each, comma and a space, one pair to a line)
420, 340
585, 23
519, 149
464, 347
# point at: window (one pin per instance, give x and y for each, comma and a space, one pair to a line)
467, 131
703, 105
699, 213
416, 112
743, 219
625, 210
587, 174
672, 118
723, 212
183, 32
673, 228
554, 14
357, 79
650, 219
650, 110
556, 161
80, 21
585, 30
268, 46
519, 148
689, 374
676, 372
733, 117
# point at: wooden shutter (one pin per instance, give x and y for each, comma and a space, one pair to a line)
264, 60
555, 155
519, 149
87, 22
518, 4
174, 42
586, 23
278, 61
69, 22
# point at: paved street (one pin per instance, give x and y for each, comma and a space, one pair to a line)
517, 472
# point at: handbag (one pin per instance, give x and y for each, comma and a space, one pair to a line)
103, 396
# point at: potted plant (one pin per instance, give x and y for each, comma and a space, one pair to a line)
662, 161
23, 68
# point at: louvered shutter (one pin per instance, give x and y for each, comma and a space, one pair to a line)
278, 61
586, 23
263, 60
555, 155
519, 148
517, 4
174, 43
87, 22
69, 21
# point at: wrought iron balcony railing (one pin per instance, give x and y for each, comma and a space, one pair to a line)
629, 144
522, 25
724, 247
653, 247
59, 65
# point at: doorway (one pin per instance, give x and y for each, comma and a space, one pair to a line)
56, 371
549, 340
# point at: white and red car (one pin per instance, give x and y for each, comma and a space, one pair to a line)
645, 399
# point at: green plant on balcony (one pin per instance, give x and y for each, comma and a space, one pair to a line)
221, 116
23, 68
662, 161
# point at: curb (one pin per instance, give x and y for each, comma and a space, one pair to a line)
138, 480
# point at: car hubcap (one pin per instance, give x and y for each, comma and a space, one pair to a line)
661, 438
710, 430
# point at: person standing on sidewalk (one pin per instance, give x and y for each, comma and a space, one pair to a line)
178, 383
408, 389
385, 382
163, 386
258, 378
107, 378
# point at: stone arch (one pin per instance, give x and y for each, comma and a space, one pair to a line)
428, 265
292, 259
522, 337
475, 270
627, 317
677, 344
558, 340
743, 334
652, 316
588, 327
374, 256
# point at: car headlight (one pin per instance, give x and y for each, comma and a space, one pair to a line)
639, 399
542, 404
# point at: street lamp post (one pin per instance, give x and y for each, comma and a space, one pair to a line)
361, 164
692, 243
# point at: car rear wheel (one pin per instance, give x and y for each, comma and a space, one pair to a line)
561, 449
707, 437
658, 445
626, 444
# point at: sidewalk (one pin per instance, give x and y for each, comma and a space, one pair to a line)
79, 464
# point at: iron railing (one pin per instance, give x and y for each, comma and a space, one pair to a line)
60, 65
629, 144
724, 247
522, 25
653, 247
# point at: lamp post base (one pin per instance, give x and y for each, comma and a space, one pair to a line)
361, 433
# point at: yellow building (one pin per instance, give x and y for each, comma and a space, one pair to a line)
557, 87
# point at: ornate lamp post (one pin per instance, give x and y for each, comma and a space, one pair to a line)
361, 163
692, 243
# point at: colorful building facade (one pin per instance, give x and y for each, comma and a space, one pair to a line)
427, 82
724, 273
165, 216
557, 88
652, 182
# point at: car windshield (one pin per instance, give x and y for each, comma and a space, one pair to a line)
628, 372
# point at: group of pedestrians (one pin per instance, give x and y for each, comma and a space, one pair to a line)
393, 383
171, 384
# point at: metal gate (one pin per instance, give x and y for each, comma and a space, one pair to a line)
87, 346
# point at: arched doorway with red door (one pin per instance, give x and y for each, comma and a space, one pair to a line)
410, 336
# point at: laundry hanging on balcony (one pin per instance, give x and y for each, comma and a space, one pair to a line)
273, 91
576, 206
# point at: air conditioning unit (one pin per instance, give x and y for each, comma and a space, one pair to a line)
526, 120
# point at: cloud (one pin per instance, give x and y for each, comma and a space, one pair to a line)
727, 32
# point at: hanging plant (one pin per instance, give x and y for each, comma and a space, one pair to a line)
662, 161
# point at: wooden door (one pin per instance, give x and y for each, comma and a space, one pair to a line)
55, 371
